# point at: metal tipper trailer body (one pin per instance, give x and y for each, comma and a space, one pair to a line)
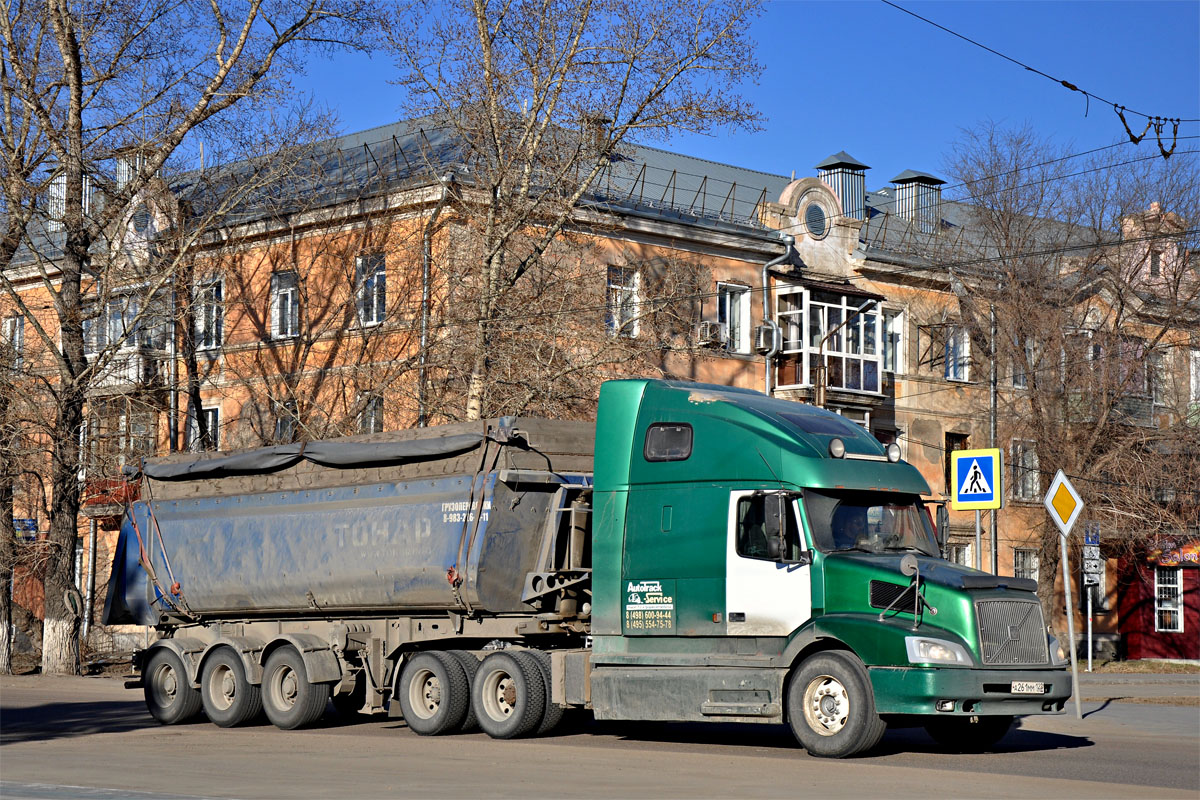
721, 556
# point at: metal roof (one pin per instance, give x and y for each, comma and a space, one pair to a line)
841, 159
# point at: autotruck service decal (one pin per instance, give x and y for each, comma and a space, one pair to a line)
649, 606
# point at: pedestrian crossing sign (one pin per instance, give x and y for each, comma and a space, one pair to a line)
976, 478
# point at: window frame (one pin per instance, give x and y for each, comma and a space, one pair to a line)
956, 362
622, 296
731, 296
859, 344
656, 458
886, 337
1031, 571
370, 289
279, 290
14, 337
287, 421
370, 419
1023, 471
1168, 605
209, 314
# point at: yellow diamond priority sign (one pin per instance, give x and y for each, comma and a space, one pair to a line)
1063, 503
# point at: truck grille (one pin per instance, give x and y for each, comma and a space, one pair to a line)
1011, 632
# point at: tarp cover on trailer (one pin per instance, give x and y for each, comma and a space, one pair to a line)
327, 454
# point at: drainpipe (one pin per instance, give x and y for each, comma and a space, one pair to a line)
426, 269
770, 324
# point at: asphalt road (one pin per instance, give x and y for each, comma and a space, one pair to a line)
91, 738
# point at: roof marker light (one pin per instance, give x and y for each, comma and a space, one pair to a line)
837, 448
893, 452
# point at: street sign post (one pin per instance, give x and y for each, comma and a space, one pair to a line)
976, 484
1093, 568
1065, 505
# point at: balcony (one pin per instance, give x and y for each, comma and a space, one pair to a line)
132, 369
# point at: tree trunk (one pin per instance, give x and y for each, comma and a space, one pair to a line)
63, 605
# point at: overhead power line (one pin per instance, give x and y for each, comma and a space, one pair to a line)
1152, 120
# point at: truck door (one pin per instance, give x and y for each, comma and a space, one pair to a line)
766, 593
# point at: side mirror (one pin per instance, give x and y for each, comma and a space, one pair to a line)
775, 507
943, 526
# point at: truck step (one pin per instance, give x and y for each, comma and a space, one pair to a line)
711, 709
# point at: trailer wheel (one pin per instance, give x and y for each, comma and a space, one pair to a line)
288, 698
228, 698
553, 714
508, 694
169, 696
831, 707
434, 693
962, 735
470, 665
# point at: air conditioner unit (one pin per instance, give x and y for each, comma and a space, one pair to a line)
764, 339
712, 333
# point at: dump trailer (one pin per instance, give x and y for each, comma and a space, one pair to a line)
701, 553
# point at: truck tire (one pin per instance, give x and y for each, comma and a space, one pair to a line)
169, 696
509, 694
553, 714
831, 706
434, 693
470, 665
968, 734
288, 698
228, 698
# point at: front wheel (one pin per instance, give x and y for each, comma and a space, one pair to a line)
831, 706
969, 734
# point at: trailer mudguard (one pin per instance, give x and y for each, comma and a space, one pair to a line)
320, 662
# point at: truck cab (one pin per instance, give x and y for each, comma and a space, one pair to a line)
762, 560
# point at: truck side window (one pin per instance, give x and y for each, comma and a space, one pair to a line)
668, 441
751, 530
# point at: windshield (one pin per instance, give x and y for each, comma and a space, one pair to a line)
874, 522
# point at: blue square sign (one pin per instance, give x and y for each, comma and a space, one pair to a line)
976, 479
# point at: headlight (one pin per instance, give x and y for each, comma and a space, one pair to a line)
935, 651
1057, 653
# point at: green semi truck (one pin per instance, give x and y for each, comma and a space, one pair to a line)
704, 553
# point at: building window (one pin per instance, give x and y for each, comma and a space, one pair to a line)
1025, 563
285, 305
287, 419
959, 553
893, 340
733, 311
958, 354
212, 422
14, 338
954, 441
370, 280
1168, 599
1020, 377
1155, 263
370, 420
621, 318
210, 315
1026, 476
820, 324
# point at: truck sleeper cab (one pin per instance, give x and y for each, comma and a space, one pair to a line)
719, 555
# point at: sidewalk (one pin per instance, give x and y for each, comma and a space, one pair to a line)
1167, 689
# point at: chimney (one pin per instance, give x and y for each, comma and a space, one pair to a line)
848, 178
919, 199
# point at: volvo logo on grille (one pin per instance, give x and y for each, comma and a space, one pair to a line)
1014, 630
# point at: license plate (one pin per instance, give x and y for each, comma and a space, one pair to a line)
1028, 687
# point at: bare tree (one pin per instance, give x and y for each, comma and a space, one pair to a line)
99, 102
1089, 266
535, 99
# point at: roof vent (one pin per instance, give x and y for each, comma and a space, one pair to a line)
919, 199
848, 178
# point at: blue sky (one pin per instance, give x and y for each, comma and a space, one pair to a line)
895, 92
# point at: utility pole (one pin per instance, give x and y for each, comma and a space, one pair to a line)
992, 408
